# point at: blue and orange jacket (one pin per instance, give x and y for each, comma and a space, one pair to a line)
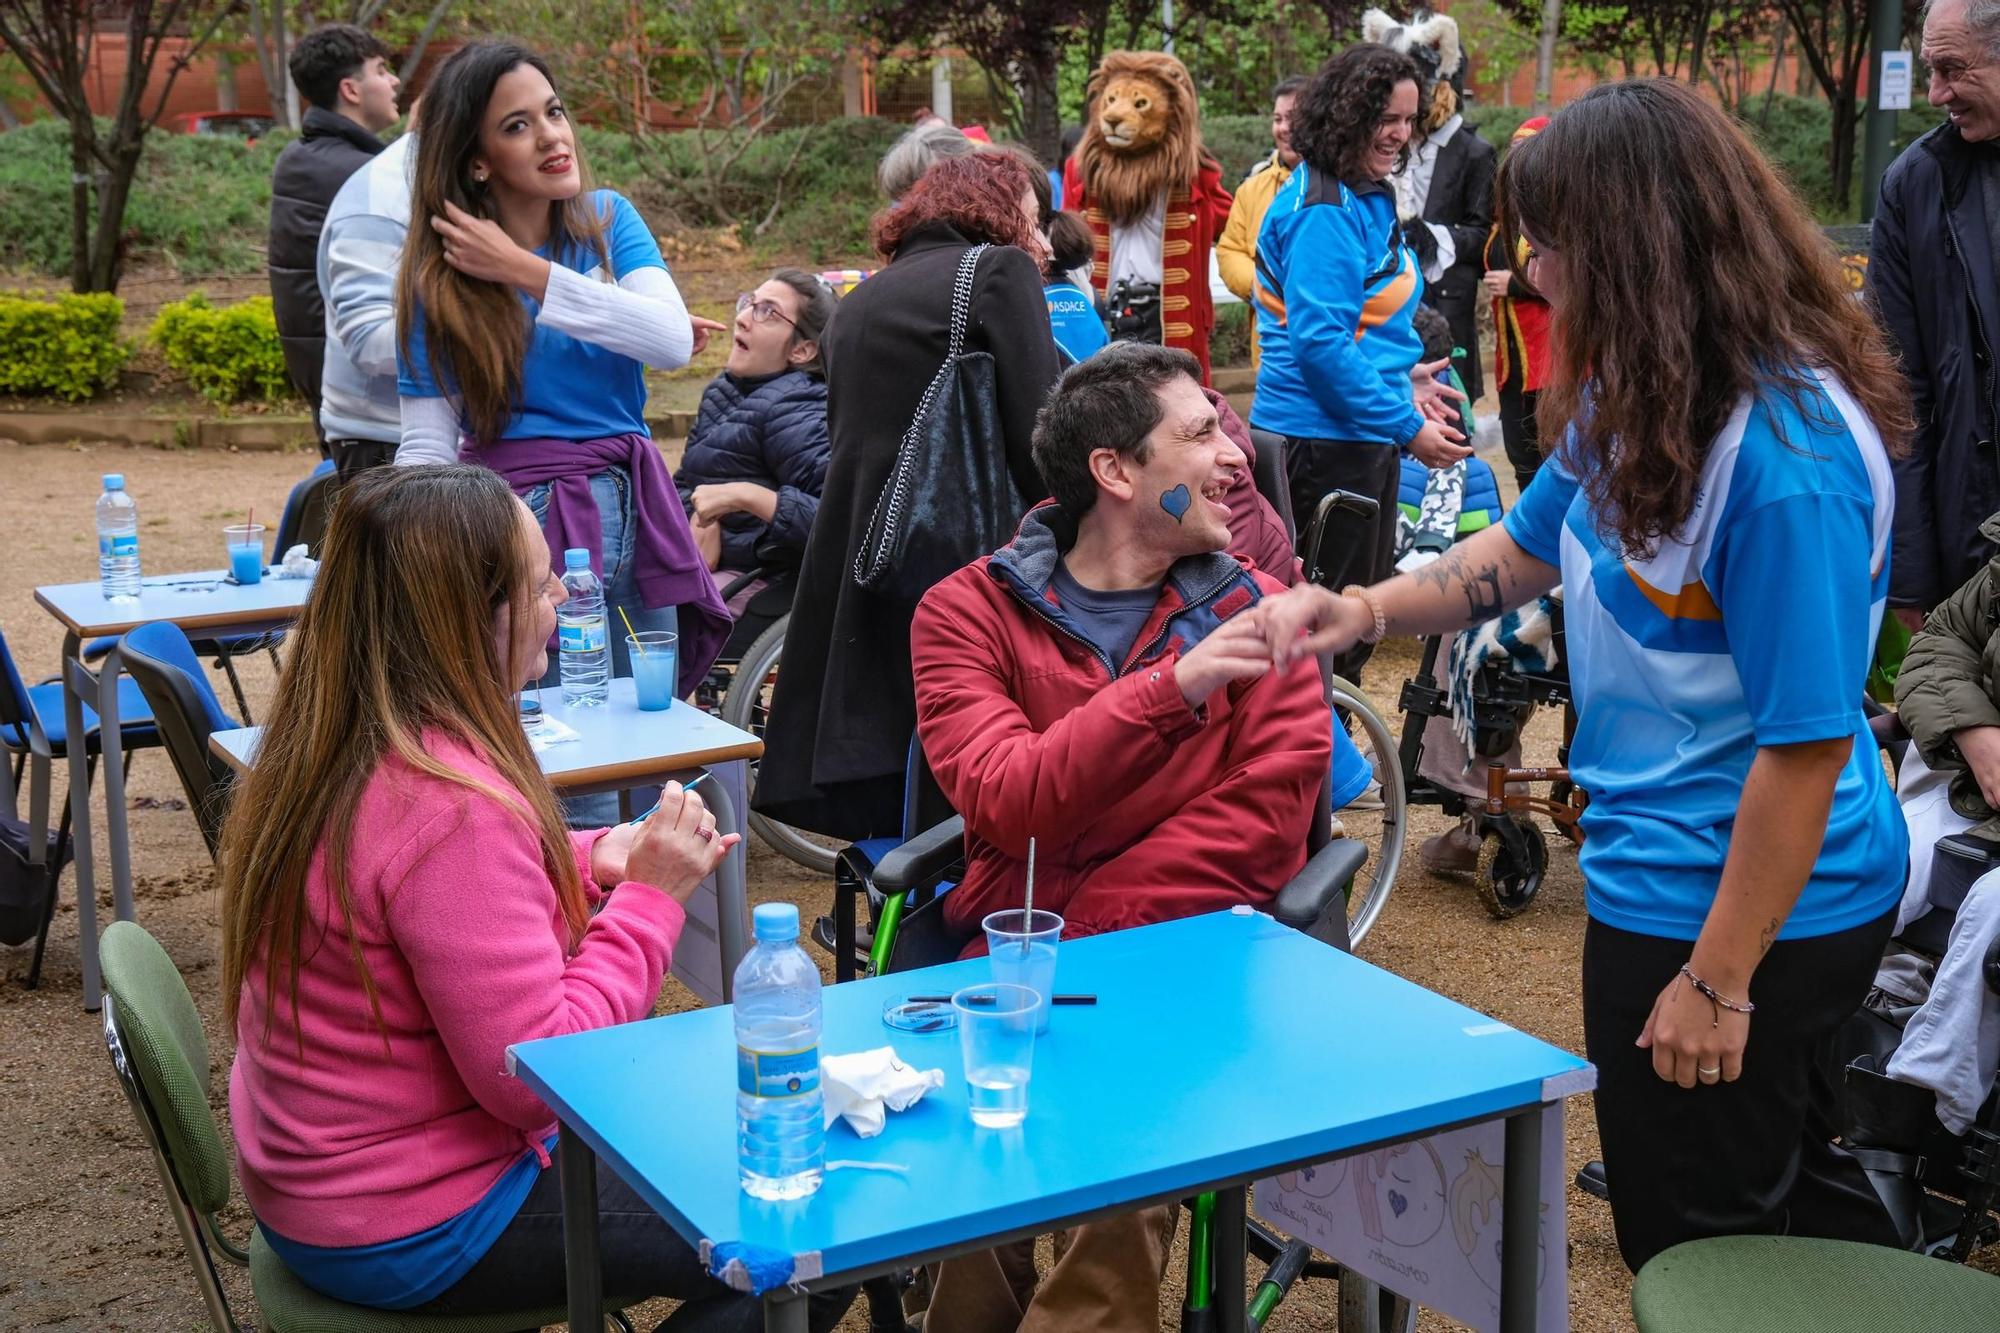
1335, 291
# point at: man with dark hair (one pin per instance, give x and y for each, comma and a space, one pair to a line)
1934, 275
1102, 685
1236, 252
344, 73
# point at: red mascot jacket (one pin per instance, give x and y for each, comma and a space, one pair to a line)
1141, 808
1195, 218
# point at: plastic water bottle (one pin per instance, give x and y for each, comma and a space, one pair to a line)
780, 1129
583, 641
118, 541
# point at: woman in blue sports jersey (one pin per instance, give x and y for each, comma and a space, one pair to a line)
1718, 513
528, 307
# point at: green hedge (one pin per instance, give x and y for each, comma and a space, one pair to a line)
230, 354
66, 346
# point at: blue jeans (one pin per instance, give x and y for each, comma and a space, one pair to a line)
612, 490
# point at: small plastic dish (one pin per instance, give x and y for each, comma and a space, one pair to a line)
911, 1015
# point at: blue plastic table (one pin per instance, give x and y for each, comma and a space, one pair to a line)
205, 604
1223, 1049
620, 746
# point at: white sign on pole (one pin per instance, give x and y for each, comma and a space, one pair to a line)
1892, 90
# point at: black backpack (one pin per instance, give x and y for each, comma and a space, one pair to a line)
27, 891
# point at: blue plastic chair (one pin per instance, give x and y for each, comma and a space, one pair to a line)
35, 733
304, 520
163, 663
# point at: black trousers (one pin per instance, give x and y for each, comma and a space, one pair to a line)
1316, 467
1519, 432
642, 1258
352, 457
1753, 1157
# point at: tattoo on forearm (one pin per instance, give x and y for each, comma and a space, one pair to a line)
1482, 594
1767, 937
1481, 586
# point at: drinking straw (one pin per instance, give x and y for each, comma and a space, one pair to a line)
248, 523
1028, 908
636, 641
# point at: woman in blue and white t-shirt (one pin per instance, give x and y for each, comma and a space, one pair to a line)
1718, 514
528, 308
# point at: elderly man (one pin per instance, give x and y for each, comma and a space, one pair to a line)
1932, 272
1236, 252
1103, 685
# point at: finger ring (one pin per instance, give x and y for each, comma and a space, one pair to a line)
1705, 1072
707, 834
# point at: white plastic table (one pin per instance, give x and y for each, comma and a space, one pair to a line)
205, 604
618, 747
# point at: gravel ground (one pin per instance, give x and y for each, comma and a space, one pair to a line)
85, 1242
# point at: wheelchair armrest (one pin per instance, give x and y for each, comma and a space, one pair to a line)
922, 859
1992, 968
1316, 897
742, 581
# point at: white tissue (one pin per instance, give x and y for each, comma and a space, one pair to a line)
865, 1086
296, 564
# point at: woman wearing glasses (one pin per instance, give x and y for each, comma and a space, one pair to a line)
756, 457
530, 306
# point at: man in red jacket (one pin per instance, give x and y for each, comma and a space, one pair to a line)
1101, 685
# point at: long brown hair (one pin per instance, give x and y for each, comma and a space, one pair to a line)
396, 645
1691, 276
476, 332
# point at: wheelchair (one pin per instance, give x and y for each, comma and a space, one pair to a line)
739, 688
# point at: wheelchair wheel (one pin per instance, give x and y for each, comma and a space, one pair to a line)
747, 704
1381, 829
1513, 857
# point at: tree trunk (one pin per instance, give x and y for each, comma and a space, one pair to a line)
1545, 56
107, 254
225, 85
1041, 116
82, 164
416, 55
1846, 119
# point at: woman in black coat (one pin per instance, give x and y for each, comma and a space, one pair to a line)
844, 708
756, 457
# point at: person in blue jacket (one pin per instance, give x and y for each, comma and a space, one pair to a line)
756, 456
1335, 290
1074, 318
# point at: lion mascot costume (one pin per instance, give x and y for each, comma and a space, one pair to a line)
1153, 197
1444, 192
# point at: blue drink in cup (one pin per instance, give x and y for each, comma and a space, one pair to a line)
655, 658
246, 551
1023, 950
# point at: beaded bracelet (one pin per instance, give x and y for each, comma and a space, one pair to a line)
1715, 997
1374, 605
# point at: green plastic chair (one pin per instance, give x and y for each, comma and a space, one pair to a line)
1800, 1284
161, 1055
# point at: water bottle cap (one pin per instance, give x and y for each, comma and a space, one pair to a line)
576, 557
114, 481
776, 922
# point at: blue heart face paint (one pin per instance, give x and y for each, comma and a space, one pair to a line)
1177, 501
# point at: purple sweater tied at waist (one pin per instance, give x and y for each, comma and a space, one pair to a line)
666, 566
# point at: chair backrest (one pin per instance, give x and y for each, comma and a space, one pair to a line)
14, 705
160, 1053
1267, 471
307, 509
159, 657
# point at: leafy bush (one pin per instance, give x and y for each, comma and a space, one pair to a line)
67, 345
201, 202
1238, 142
230, 354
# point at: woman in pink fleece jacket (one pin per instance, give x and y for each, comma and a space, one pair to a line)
402, 903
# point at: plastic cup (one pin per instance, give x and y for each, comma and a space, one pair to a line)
1023, 949
655, 658
996, 1033
246, 551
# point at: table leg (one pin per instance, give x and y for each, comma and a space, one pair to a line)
784, 1311
1521, 1221
76, 680
583, 1266
1232, 1227
114, 788
732, 890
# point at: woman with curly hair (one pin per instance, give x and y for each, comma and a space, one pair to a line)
1718, 512
845, 708
1335, 291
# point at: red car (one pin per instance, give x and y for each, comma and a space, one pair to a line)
249, 126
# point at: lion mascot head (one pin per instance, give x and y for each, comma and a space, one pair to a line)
1141, 135
1432, 41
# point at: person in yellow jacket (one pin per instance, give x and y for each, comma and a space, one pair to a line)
1236, 252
